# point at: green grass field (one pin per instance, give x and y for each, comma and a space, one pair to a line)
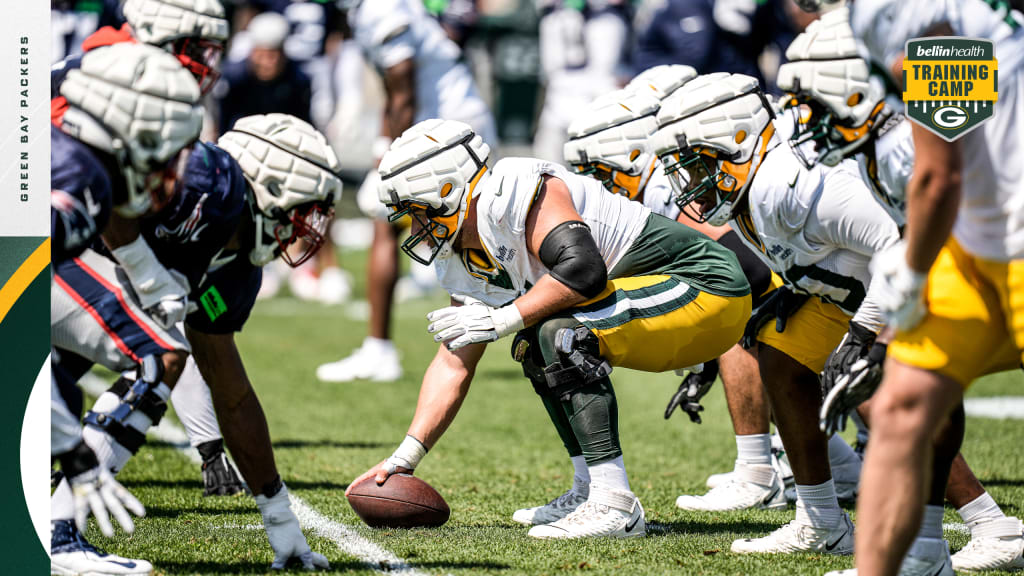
501, 454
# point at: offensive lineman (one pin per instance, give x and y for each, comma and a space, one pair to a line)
952, 285
587, 280
880, 140
424, 77
817, 230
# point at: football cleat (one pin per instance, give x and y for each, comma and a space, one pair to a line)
927, 557
72, 555
607, 513
779, 461
552, 511
741, 492
796, 537
220, 477
334, 286
368, 362
996, 544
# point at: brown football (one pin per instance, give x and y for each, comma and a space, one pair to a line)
404, 501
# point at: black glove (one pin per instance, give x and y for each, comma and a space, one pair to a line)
852, 374
219, 476
780, 305
691, 390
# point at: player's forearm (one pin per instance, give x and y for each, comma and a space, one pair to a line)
239, 412
932, 201
545, 298
120, 231
445, 386
401, 112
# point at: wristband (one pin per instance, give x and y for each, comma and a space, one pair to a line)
408, 454
507, 320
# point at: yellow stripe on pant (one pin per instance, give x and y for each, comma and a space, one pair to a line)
975, 320
659, 322
810, 335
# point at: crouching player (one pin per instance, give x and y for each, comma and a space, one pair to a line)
585, 279
817, 230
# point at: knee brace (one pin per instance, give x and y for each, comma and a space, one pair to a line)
579, 363
136, 396
526, 351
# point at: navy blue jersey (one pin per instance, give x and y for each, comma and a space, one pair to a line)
80, 196
192, 229
226, 296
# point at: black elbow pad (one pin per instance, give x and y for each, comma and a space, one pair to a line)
570, 253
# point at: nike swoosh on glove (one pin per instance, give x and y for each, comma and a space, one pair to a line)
473, 322
902, 295
285, 536
851, 376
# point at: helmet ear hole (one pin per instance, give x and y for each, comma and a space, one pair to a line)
854, 99
740, 136
634, 155
446, 189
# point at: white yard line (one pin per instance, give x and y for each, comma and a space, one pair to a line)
998, 407
345, 538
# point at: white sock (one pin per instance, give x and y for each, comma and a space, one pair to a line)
931, 523
839, 452
581, 475
108, 451
817, 505
610, 474
981, 508
754, 449
194, 406
62, 503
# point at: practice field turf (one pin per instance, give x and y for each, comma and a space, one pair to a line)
501, 454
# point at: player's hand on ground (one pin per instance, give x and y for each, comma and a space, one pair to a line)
96, 492
285, 535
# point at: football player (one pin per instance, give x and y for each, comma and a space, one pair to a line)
110, 151
195, 32
952, 286
424, 77
609, 142
585, 279
846, 116
817, 230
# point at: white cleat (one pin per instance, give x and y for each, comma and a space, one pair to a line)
72, 555
303, 283
377, 362
552, 511
334, 286
606, 514
794, 537
995, 545
757, 487
779, 461
927, 557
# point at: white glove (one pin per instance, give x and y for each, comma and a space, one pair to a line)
902, 295
97, 491
285, 536
459, 326
163, 294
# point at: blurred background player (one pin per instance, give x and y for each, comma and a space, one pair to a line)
424, 77
584, 47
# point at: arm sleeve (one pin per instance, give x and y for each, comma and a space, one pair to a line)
848, 216
65, 429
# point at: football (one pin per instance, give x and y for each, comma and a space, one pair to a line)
404, 501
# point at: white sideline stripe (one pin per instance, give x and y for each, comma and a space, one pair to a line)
999, 407
346, 539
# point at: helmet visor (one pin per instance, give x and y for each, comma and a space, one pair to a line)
163, 184
202, 58
304, 233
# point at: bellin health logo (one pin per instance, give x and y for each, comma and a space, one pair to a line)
949, 84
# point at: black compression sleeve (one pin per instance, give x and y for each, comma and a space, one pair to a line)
572, 256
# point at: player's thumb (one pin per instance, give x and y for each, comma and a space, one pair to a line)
312, 560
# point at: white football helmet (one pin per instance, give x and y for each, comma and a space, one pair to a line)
193, 30
293, 174
712, 135
662, 80
839, 102
430, 173
609, 141
137, 103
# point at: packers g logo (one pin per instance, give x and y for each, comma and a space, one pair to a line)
950, 84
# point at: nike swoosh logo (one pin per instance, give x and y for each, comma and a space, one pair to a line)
124, 564
631, 525
771, 496
830, 546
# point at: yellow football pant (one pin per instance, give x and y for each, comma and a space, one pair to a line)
811, 334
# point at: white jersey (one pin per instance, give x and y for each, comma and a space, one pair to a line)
506, 269
658, 194
990, 223
818, 230
393, 31
889, 167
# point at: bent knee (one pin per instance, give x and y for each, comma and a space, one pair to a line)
174, 364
